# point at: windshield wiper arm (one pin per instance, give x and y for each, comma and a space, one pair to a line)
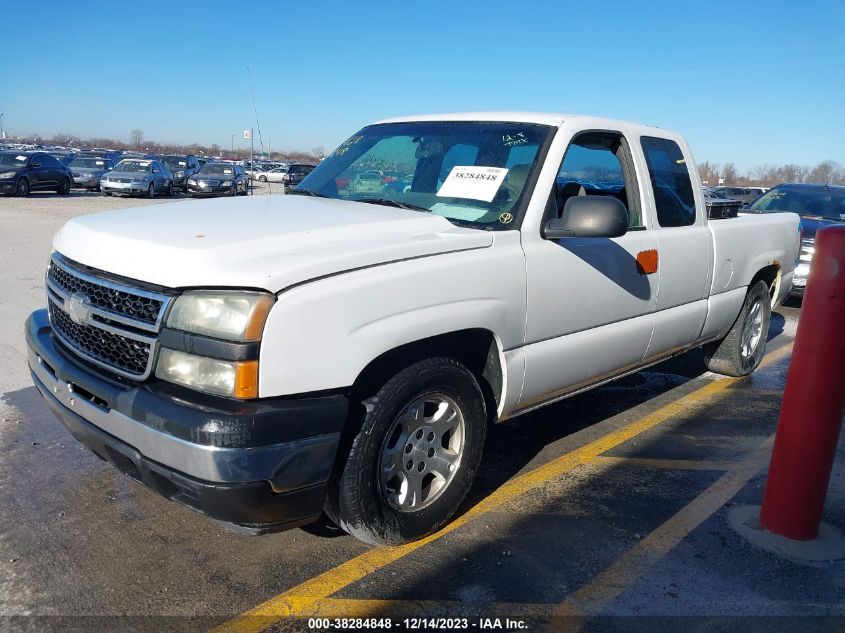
388, 202
308, 192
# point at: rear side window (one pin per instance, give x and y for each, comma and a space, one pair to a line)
670, 181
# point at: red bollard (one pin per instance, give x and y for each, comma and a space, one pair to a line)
813, 401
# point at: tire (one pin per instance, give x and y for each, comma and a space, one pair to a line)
262, 179
169, 190
440, 453
106, 193
233, 190
739, 353
64, 187
22, 189
151, 191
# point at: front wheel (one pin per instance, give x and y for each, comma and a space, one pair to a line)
414, 457
739, 353
22, 190
262, 178
169, 190
64, 187
151, 191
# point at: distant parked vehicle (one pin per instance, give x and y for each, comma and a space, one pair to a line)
720, 206
22, 172
88, 171
65, 158
218, 179
746, 195
181, 167
296, 174
817, 205
274, 175
137, 176
366, 182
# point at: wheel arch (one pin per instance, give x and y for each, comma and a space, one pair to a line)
479, 349
771, 276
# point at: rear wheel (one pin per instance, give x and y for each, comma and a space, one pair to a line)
64, 187
739, 353
414, 457
22, 190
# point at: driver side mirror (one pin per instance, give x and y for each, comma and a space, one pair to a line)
589, 216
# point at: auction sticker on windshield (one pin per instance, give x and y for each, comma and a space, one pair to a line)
474, 182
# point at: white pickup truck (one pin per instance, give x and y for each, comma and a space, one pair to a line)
345, 348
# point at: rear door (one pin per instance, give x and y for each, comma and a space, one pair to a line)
684, 243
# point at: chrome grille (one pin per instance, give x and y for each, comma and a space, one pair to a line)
107, 323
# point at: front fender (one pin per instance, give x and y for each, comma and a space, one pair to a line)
322, 334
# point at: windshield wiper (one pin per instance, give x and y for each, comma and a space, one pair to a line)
388, 202
308, 192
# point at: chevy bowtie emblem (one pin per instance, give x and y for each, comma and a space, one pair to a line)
77, 308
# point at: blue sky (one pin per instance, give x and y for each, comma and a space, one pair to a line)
748, 82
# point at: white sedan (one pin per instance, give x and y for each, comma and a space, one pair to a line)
274, 175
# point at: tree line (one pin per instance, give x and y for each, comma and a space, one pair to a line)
139, 143
826, 172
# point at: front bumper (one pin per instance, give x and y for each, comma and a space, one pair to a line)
8, 186
124, 188
261, 464
799, 279
209, 190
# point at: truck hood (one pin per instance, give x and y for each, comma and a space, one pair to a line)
268, 242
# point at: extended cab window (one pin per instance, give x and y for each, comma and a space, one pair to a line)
670, 181
599, 164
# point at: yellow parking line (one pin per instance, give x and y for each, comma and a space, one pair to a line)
304, 599
672, 464
594, 596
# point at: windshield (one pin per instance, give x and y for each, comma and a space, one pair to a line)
217, 168
823, 202
14, 160
89, 163
468, 172
133, 165
174, 162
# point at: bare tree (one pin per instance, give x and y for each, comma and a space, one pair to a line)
65, 139
137, 137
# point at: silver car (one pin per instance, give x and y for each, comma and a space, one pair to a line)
87, 171
137, 176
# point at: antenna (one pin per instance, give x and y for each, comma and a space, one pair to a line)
257, 124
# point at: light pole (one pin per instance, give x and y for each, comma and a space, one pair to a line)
2, 133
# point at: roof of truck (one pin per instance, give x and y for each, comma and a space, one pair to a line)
543, 118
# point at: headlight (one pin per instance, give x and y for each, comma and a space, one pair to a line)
230, 315
191, 181
137, 180
237, 379
226, 183
7, 174
179, 173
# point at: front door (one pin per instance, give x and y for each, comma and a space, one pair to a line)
590, 300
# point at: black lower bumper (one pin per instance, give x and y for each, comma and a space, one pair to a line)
248, 504
261, 464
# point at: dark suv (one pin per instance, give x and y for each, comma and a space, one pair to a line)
182, 166
296, 174
818, 206
22, 172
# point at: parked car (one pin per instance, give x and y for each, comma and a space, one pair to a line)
64, 157
720, 206
23, 172
817, 205
367, 182
745, 195
281, 355
274, 175
137, 176
218, 179
181, 166
296, 174
87, 172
